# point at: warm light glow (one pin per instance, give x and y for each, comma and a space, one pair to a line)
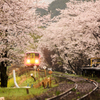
36, 61
31, 74
28, 61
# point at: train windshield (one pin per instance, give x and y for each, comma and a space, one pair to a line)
32, 55
36, 55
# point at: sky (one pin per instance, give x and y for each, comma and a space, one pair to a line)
48, 1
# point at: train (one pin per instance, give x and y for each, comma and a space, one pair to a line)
32, 59
93, 69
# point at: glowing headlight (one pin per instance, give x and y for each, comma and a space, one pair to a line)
36, 61
28, 61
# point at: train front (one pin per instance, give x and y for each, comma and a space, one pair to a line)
32, 59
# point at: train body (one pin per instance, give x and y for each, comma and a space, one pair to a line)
32, 59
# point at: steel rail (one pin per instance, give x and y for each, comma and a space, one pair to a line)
96, 87
62, 94
69, 90
65, 92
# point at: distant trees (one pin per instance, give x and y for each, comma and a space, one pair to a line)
77, 32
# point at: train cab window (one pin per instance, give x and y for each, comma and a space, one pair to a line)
36, 55
30, 55
27, 55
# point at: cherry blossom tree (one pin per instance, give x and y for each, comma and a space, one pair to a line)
18, 22
75, 36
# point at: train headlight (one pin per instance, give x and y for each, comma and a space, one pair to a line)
36, 61
28, 61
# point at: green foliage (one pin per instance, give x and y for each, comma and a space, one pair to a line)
78, 97
29, 81
0, 33
42, 27
70, 82
57, 92
94, 78
20, 93
73, 99
60, 61
77, 92
54, 84
74, 89
11, 81
35, 37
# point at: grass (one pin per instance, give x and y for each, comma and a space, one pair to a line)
11, 81
93, 78
73, 89
57, 92
68, 74
12, 93
20, 93
77, 92
27, 81
70, 82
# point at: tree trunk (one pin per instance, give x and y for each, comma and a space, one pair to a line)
72, 67
4, 76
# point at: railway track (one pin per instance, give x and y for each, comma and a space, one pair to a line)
62, 95
65, 95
